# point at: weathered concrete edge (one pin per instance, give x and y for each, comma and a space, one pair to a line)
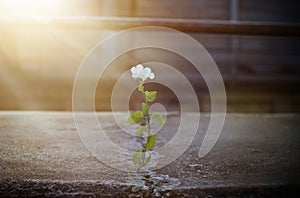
99, 188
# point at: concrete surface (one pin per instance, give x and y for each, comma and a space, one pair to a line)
257, 155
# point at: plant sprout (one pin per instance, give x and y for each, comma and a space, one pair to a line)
142, 156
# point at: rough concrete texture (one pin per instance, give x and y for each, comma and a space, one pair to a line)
257, 155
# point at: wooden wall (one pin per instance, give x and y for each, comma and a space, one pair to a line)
262, 73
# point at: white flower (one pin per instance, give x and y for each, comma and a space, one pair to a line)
142, 73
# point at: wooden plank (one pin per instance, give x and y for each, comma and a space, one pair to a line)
184, 25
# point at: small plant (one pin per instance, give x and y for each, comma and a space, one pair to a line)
142, 156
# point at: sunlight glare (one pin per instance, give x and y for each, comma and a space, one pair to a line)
30, 7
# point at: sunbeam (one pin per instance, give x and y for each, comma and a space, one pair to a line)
31, 7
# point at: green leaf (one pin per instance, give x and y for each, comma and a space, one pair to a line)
140, 130
145, 108
158, 117
150, 95
151, 141
141, 87
137, 156
135, 117
148, 159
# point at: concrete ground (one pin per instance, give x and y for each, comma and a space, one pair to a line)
257, 155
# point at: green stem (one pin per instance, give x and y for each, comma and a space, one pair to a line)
143, 159
148, 122
148, 127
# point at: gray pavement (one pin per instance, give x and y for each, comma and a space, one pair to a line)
257, 155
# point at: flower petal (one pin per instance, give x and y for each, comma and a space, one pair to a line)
139, 72
139, 68
143, 77
147, 70
151, 75
134, 75
145, 73
133, 70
